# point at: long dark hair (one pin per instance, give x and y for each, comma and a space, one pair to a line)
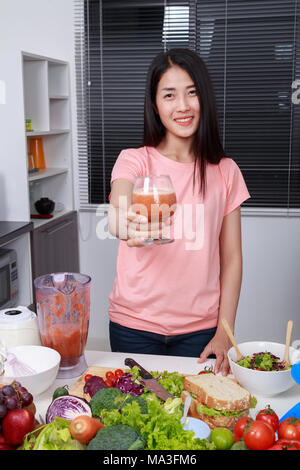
207, 146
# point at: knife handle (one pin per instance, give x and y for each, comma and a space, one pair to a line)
132, 363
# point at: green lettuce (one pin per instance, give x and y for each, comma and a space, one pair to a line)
171, 381
203, 409
53, 436
160, 428
263, 361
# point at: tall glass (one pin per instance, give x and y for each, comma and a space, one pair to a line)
154, 197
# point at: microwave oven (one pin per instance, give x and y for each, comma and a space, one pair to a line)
8, 278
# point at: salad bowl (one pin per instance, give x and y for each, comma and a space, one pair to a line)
262, 382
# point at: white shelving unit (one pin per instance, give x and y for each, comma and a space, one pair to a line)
52, 132
47, 104
46, 173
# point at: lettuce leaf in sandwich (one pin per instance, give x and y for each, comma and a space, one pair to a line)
203, 409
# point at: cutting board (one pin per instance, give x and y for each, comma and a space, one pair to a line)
77, 388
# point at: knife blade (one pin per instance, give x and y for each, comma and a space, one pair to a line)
149, 381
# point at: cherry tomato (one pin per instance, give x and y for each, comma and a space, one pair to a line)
111, 377
240, 426
289, 429
288, 444
119, 373
268, 416
109, 383
87, 377
206, 370
259, 436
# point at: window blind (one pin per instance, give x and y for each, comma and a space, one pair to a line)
115, 43
251, 49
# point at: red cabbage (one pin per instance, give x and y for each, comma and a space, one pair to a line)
68, 407
126, 385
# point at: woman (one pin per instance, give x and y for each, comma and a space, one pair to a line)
170, 299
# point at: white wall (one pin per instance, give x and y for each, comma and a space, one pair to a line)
271, 283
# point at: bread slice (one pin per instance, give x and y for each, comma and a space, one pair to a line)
216, 391
213, 421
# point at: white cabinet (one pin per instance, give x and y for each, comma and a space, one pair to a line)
37, 88
47, 105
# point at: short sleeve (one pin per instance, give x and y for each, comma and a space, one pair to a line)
236, 189
128, 165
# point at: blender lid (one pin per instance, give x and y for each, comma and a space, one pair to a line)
64, 282
16, 315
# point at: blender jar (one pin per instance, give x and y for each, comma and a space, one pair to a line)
63, 312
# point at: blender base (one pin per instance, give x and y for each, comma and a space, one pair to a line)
73, 371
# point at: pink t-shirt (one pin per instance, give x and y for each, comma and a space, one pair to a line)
174, 289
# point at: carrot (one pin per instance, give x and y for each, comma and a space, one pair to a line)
84, 428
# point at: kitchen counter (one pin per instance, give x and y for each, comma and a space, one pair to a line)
280, 403
11, 230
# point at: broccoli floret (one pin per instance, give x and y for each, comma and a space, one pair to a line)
106, 399
140, 401
119, 437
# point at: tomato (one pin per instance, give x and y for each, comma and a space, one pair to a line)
259, 436
206, 370
119, 373
289, 429
222, 438
268, 416
111, 377
276, 447
87, 377
240, 426
109, 383
285, 444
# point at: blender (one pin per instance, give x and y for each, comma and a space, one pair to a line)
63, 312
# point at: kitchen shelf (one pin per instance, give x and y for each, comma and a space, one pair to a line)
51, 132
56, 215
59, 97
47, 104
46, 173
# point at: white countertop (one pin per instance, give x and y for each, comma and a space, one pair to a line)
280, 403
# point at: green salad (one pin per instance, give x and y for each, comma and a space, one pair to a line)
265, 361
157, 423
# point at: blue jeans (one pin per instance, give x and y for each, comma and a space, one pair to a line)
129, 340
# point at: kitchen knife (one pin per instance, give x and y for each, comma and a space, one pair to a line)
149, 381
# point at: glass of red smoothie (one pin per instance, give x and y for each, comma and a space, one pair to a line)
154, 197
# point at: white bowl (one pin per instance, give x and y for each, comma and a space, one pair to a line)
200, 428
260, 382
45, 362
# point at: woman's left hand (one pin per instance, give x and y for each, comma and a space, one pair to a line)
219, 345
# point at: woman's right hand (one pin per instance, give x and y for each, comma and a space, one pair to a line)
138, 228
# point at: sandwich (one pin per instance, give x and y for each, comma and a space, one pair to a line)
217, 400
